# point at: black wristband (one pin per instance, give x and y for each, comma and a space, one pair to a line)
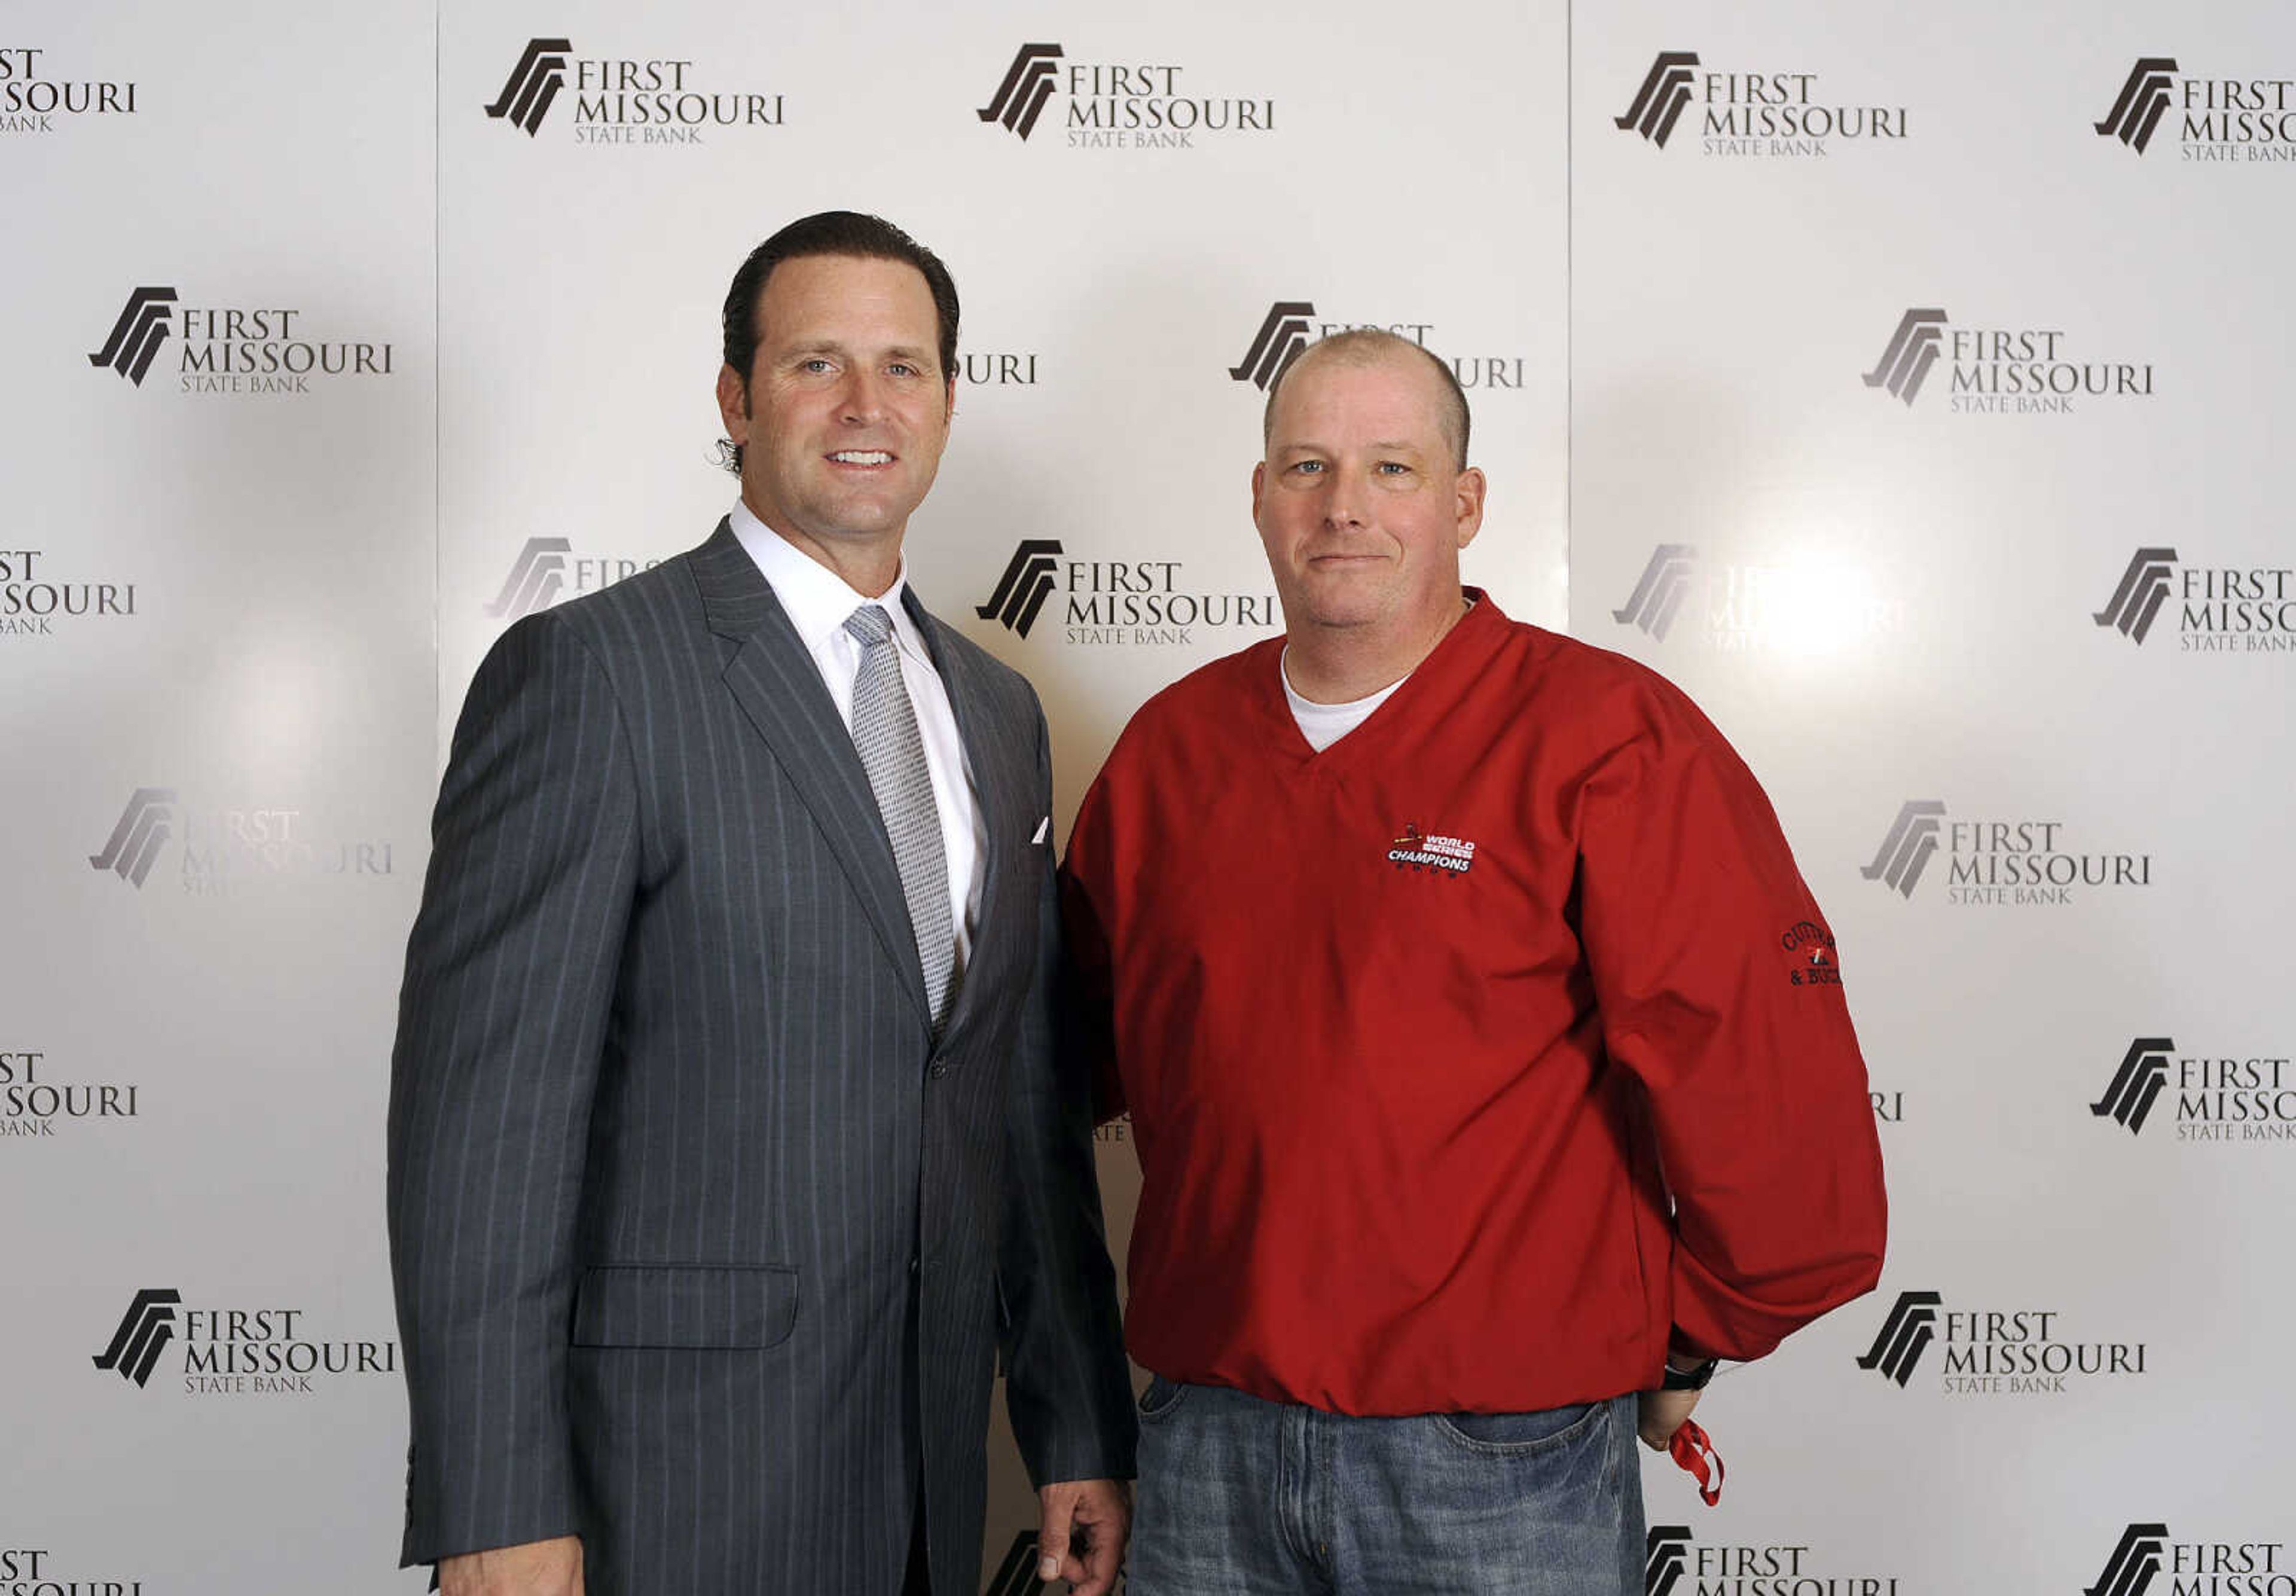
1689, 1379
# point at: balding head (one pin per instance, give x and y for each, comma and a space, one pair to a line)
1375, 346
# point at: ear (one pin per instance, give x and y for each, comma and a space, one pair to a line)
948, 410
1258, 482
733, 404
1469, 506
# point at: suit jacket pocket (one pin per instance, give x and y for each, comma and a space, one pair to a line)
690, 1306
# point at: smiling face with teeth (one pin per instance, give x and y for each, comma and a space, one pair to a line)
844, 412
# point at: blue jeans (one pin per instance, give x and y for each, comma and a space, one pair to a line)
1252, 1498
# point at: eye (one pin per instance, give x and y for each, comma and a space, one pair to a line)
813, 365
1307, 468
1393, 468
902, 368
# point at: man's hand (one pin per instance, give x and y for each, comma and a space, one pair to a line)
1663, 1413
1080, 1534
538, 1568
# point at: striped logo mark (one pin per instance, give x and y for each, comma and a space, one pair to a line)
143, 1334
2144, 101
2137, 1084
1022, 591
1028, 84
1907, 1333
1669, 1559
1659, 102
1913, 349
1280, 341
2129, 1571
1905, 852
534, 83
138, 333
2144, 588
1657, 597
535, 580
134, 846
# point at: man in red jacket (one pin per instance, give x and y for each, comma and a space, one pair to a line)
1486, 1055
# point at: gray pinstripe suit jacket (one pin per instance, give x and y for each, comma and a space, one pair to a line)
671, 1142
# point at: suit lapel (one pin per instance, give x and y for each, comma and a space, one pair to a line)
779, 687
992, 749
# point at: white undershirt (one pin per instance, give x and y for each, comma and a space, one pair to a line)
1324, 724
817, 602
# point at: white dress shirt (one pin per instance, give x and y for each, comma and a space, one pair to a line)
817, 602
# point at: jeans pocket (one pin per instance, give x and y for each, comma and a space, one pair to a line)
1521, 1435
1161, 1397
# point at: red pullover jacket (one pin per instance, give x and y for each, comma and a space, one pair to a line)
1472, 1058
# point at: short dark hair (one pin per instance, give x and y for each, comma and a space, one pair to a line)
1360, 346
828, 232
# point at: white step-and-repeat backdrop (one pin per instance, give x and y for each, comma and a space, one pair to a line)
1906, 385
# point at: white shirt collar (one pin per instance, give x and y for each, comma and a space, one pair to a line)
815, 599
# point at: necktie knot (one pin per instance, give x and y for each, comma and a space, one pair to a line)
870, 624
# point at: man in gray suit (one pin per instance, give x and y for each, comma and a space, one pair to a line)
726, 1139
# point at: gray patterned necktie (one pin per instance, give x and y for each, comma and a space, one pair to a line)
893, 754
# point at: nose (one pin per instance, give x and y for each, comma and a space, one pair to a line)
1343, 500
864, 398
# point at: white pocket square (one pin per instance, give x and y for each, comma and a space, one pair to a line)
1044, 830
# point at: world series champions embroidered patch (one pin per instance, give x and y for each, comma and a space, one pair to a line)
1448, 856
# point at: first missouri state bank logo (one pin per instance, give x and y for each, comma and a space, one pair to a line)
2144, 588
1027, 582
1759, 114
1996, 1351
1115, 105
624, 100
32, 96
234, 1351
533, 84
1664, 94
1665, 1558
535, 578
2020, 862
1113, 602
1912, 350
1291, 326
1906, 1334
2247, 118
143, 1334
2144, 101
1028, 83
1284, 336
225, 849
2222, 1095
2134, 1562
1657, 597
231, 348
2137, 1085
547, 568
1999, 371
2143, 1552
2221, 609
143, 325
1907, 848
1675, 1561
1798, 608
144, 826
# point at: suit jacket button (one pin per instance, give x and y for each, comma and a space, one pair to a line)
939, 1068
